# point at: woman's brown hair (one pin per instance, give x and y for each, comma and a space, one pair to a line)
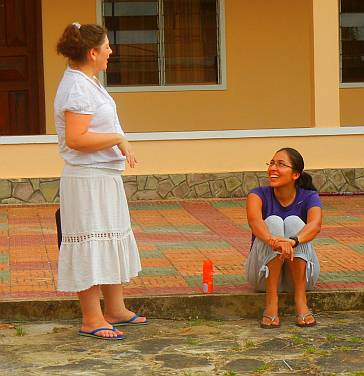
77, 40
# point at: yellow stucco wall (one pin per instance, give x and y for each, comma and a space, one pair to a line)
174, 157
269, 71
55, 16
351, 106
270, 84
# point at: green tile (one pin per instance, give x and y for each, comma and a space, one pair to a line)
159, 229
229, 204
194, 280
341, 277
324, 241
152, 271
4, 226
175, 229
151, 254
192, 228
357, 247
4, 258
221, 280
4, 276
194, 244
340, 218
161, 206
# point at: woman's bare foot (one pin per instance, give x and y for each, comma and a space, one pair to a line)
91, 326
304, 314
270, 315
124, 316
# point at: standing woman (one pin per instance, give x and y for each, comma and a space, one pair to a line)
284, 218
98, 248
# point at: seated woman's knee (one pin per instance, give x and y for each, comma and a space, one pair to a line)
275, 225
292, 225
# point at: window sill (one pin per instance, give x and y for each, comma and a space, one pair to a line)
134, 89
351, 85
203, 135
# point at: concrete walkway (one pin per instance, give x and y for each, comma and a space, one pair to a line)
174, 239
188, 348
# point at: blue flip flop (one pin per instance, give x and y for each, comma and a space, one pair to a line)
130, 322
93, 334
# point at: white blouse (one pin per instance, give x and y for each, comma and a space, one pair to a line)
79, 93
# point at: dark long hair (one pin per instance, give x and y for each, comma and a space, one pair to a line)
298, 165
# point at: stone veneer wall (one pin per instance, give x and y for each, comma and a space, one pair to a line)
188, 186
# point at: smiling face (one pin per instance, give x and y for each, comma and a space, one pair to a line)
280, 171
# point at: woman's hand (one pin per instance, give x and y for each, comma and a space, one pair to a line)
284, 247
128, 152
273, 241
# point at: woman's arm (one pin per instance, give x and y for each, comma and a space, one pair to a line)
308, 233
313, 226
255, 219
79, 138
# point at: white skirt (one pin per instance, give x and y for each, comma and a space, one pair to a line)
98, 245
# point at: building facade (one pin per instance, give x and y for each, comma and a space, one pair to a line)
206, 90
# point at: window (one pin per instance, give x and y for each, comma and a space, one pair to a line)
352, 40
162, 42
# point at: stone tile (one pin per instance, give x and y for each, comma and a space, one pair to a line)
181, 190
130, 188
250, 181
129, 178
178, 178
218, 188
349, 175
141, 182
337, 178
12, 201
244, 366
232, 183
5, 189
319, 180
179, 361
164, 187
146, 195
152, 183
35, 183
359, 182
203, 190
194, 179
49, 190
37, 197
22, 191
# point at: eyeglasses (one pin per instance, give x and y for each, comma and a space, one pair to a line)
278, 164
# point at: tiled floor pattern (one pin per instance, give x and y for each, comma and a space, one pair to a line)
174, 239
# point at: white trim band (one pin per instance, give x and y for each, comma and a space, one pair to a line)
203, 135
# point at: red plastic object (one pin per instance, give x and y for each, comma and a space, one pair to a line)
207, 277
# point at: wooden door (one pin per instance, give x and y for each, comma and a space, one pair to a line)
21, 68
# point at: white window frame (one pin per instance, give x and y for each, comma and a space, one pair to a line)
150, 88
345, 85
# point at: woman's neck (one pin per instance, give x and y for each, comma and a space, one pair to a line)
84, 68
286, 194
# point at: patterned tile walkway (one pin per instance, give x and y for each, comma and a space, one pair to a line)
174, 239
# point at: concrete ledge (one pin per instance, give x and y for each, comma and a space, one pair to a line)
218, 307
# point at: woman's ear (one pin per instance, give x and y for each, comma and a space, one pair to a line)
295, 175
92, 54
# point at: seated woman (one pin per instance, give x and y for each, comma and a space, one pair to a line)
284, 218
